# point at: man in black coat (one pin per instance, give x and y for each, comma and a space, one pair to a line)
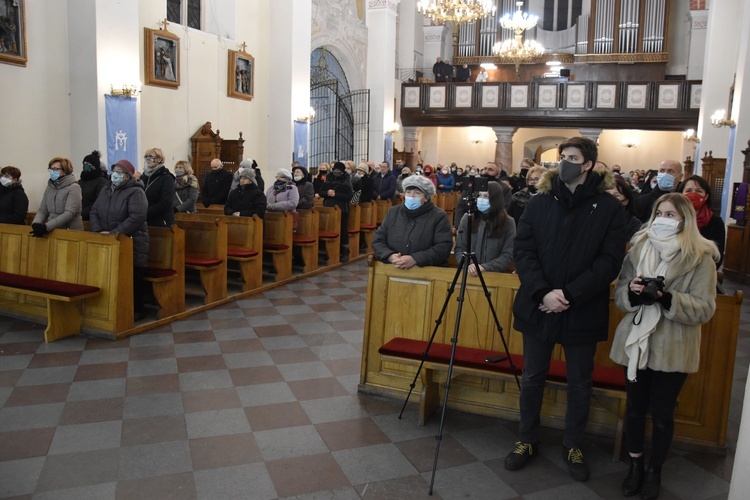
667, 181
569, 247
216, 184
438, 69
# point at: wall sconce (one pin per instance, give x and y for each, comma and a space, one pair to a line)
630, 142
393, 128
125, 91
689, 135
719, 119
307, 118
475, 140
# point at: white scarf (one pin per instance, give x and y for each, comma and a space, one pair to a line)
656, 255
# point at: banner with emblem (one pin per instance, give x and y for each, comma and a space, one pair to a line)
388, 153
122, 129
300, 142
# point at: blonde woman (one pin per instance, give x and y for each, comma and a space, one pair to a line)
667, 288
185, 188
159, 184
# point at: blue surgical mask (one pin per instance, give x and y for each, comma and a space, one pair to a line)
412, 202
117, 178
54, 175
665, 181
483, 205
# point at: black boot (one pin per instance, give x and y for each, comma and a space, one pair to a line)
632, 484
344, 253
651, 483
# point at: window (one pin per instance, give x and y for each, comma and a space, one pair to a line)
187, 12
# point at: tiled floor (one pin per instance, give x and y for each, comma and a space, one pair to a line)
258, 399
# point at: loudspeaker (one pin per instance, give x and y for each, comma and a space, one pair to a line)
564, 72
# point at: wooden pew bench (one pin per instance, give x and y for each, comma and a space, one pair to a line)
278, 236
607, 380
367, 223
206, 252
353, 228
166, 268
245, 247
306, 238
63, 316
329, 232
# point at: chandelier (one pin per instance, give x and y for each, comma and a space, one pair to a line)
520, 22
514, 50
456, 11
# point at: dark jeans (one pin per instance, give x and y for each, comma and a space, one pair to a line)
655, 392
580, 366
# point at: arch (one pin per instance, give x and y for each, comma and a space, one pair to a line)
346, 58
542, 144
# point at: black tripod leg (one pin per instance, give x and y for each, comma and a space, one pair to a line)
494, 315
464, 270
438, 322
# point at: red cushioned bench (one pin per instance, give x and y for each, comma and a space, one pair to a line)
63, 316
607, 381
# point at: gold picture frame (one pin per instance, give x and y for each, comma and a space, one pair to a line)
13, 32
240, 75
162, 58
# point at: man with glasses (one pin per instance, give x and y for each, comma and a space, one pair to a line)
216, 184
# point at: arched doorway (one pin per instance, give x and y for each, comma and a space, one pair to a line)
341, 125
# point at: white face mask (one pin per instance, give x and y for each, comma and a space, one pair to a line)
5, 181
663, 227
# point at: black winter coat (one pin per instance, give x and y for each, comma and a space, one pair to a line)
160, 194
13, 204
343, 192
248, 200
91, 184
216, 185
123, 210
574, 242
366, 183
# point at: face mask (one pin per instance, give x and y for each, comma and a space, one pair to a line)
279, 183
323, 173
453, 169
570, 171
54, 175
87, 167
412, 202
5, 181
483, 205
298, 177
532, 189
338, 173
148, 170
117, 178
179, 172
445, 171
665, 181
697, 200
524, 171
665, 228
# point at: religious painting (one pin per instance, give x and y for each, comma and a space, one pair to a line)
162, 58
12, 32
240, 75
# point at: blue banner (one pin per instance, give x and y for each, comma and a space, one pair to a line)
122, 129
388, 156
726, 194
300, 142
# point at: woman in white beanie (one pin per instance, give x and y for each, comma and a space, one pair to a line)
416, 233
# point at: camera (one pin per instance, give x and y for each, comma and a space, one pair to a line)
651, 286
475, 184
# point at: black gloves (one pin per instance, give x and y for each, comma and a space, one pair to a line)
38, 230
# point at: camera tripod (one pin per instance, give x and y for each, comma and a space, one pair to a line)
467, 258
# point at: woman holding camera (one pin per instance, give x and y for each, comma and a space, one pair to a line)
658, 340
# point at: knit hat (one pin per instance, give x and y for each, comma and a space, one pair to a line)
422, 183
247, 173
284, 173
339, 166
93, 159
129, 168
363, 167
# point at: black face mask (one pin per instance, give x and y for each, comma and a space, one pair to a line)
532, 189
338, 173
570, 171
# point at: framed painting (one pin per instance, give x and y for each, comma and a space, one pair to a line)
240, 75
162, 58
13, 32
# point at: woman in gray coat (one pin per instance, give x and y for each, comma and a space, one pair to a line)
61, 203
122, 207
185, 188
416, 233
492, 233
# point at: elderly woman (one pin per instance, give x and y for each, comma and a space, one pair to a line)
304, 187
13, 200
160, 187
416, 233
283, 195
405, 174
93, 180
185, 188
61, 201
122, 208
246, 199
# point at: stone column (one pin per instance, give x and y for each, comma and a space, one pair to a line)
381, 69
290, 35
591, 133
504, 147
411, 143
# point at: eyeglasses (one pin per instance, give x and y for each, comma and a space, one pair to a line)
118, 171
532, 180
149, 158
56, 169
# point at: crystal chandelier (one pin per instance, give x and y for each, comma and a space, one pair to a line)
520, 22
456, 11
514, 50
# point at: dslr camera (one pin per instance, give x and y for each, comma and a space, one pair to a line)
651, 286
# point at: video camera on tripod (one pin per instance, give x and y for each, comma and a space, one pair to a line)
471, 188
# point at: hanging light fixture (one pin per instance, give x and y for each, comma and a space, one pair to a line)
514, 50
456, 11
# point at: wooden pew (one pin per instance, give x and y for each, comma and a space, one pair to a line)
210, 210
381, 208
278, 236
353, 229
306, 237
367, 222
330, 233
166, 268
206, 252
97, 261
